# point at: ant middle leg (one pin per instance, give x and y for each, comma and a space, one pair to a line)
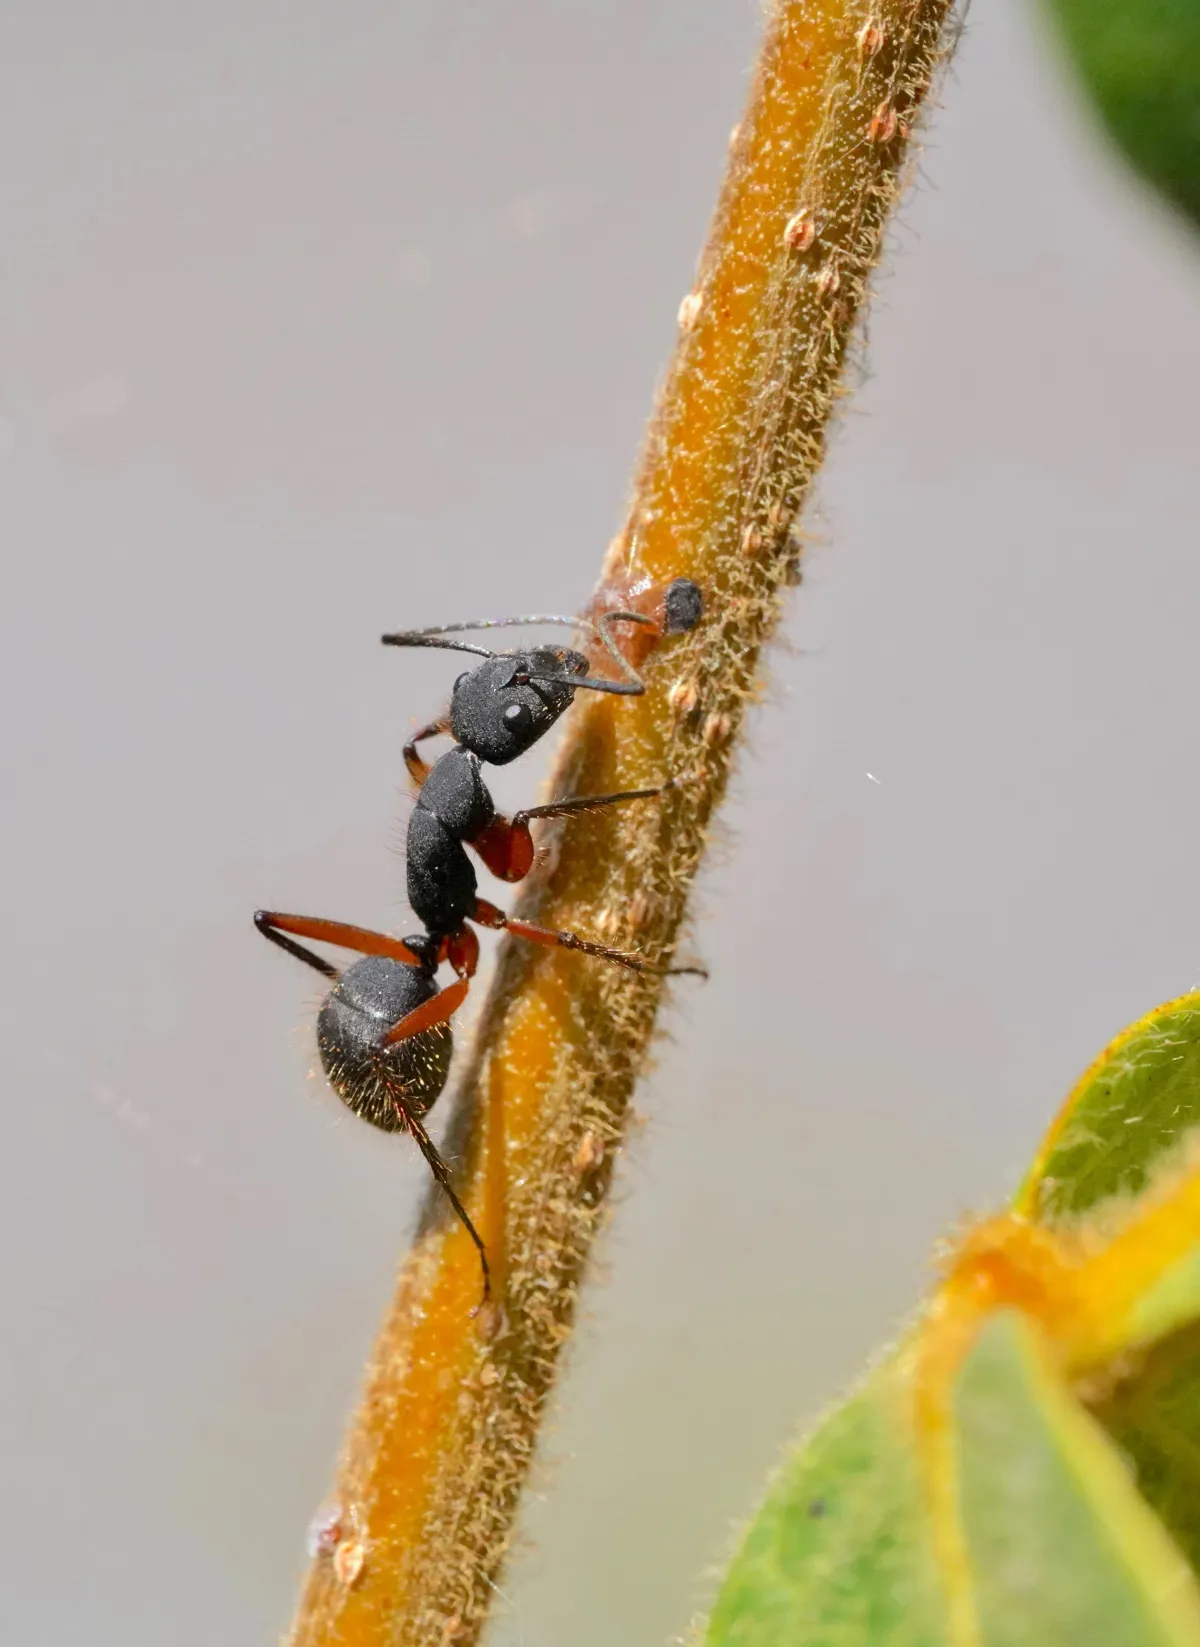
506, 845
589, 803
551, 938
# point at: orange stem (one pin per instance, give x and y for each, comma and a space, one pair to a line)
436, 1455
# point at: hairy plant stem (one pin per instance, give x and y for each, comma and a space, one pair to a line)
438, 1450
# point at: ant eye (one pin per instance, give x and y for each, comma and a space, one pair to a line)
466, 675
517, 717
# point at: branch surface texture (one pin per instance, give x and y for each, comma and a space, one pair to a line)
436, 1455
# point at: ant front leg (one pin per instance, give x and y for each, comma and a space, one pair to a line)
506, 844
418, 767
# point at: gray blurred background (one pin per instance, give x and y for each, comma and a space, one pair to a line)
318, 319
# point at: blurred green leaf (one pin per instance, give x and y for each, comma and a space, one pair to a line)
973, 1493
1155, 1420
839, 1553
1061, 1547
1140, 60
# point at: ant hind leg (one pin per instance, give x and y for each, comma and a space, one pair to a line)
439, 1009
441, 1173
273, 925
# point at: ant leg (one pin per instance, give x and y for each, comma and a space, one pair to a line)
553, 939
506, 846
441, 1172
418, 768
461, 949
589, 803
273, 926
437, 1010
317, 962
488, 915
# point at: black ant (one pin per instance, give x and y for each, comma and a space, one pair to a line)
383, 1031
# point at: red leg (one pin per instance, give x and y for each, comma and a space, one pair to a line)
419, 768
488, 915
461, 949
273, 926
506, 846
437, 1010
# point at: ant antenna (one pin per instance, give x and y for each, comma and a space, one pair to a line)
632, 686
431, 637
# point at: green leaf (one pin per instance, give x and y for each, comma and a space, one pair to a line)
1154, 1418
1060, 1546
1130, 1110
968, 1495
1129, 1114
839, 1554
1168, 1303
1055, 1546
1140, 60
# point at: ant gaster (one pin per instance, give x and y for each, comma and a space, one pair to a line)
383, 1032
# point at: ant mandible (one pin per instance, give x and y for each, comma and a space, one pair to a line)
383, 1032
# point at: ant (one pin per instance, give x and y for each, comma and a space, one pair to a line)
383, 1032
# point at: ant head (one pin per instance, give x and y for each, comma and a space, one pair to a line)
501, 709
379, 1084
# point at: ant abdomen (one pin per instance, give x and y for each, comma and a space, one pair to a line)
380, 1082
